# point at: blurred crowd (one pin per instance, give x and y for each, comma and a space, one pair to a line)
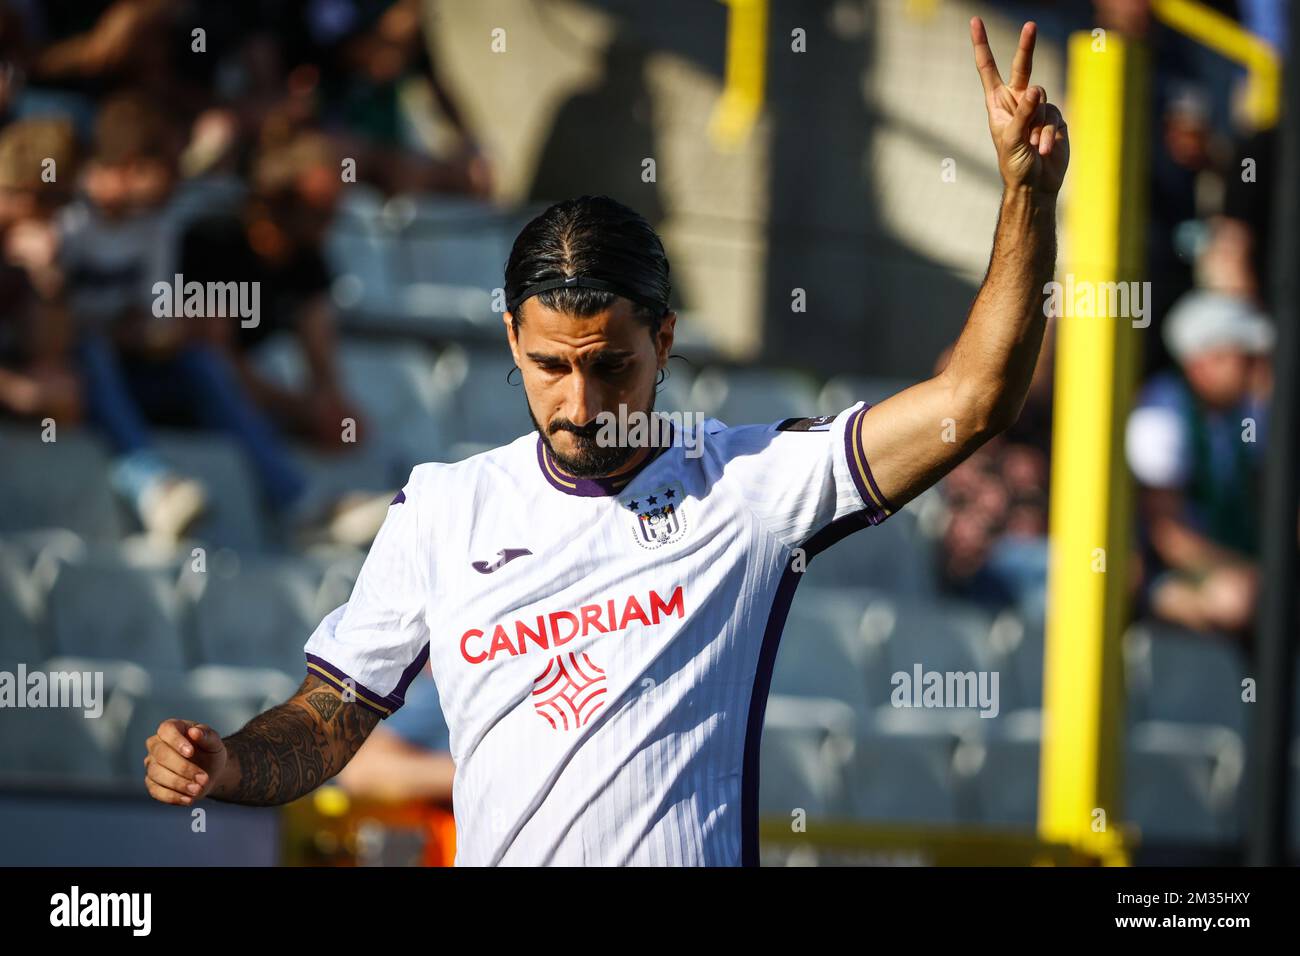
142, 141
1197, 436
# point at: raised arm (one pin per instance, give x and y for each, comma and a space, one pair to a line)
280, 755
916, 437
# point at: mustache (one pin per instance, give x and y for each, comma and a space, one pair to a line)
588, 431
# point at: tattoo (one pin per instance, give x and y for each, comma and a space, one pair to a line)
292, 749
325, 704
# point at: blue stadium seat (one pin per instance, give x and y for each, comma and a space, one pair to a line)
361, 254
998, 771
452, 255
902, 778
235, 518
1176, 675
822, 652
753, 396
52, 743
20, 609
1181, 781
486, 410
806, 742
259, 615
59, 484
107, 608
842, 391
894, 557
943, 636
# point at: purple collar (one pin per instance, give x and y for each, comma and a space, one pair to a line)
592, 487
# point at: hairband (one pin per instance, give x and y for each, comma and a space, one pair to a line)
584, 282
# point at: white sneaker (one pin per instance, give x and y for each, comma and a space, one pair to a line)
170, 506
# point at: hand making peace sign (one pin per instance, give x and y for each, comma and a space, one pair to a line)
1028, 132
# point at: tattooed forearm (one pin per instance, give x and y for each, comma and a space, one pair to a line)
292, 749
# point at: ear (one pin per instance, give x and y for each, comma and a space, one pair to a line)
667, 330
511, 339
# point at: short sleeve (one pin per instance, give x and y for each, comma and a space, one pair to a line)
376, 643
801, 474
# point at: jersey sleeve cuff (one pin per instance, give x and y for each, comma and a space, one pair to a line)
385, 705
878, 507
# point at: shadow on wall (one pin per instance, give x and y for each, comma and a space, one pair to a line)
873, 305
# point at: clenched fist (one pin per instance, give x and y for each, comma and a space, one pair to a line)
184, 761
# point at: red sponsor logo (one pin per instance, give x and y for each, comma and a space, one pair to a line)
554, 630
570, 691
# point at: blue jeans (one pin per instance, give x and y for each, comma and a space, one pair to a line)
201, 383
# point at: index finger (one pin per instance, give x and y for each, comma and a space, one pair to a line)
984, 61
1023, 64
174, 733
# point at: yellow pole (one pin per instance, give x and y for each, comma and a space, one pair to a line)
1091, 498
742, 96
1229, 39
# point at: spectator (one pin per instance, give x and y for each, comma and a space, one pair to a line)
138, 366
36, 379
277, 243
1194, 442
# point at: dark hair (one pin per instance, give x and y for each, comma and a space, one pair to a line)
596, 237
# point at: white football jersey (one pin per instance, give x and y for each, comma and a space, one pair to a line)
602, 648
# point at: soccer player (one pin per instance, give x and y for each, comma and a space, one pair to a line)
601, 617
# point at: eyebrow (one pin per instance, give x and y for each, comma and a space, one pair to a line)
602, 355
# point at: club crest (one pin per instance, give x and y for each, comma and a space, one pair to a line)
657, 514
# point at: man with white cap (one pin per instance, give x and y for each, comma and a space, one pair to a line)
1194, 443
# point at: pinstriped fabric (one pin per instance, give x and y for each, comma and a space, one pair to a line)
604, 682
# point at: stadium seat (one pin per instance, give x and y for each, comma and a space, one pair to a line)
753, 396
806, 742
822, 653
235, 517
361, 253
998, 772
258, 615
486, 410
451, 256
902, 777
58, 484
52, 742
1175, 675
19, 608
894, 557
843, 391
942, 636
265, 686
1180, 782
107, 608
122, 680
338, 569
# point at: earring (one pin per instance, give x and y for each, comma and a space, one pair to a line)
513, 369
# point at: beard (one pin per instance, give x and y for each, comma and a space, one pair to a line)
590, 459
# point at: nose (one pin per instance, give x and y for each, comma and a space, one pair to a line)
583, 399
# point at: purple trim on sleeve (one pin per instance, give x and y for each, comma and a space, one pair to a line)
383, 705
398, 498
855, 453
